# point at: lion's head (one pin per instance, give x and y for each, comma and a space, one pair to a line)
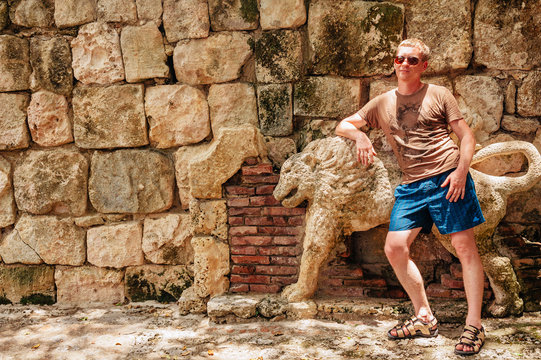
328, 174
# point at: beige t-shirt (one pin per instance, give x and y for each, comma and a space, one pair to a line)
417, 128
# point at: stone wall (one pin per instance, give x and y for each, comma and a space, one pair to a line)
121, 121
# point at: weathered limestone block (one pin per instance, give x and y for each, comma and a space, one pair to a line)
14, 63
179, 26
155, 282
99, 219
166, 239
177, 115
381, 86
109, 117
502, 164
310, 129
510, 97
378, 87
449, 40
222, 160
48, 119
150, 10
232, 104
14, 250
239, 305
51, 62
233, 14
302, 310
131, 181
56, 241
327, 96
280, 148
32, 13
68, 13
4, 12
275, 109
277, 14
88, 284
529, 96
211, 265
13, 129
218, 58
124, 11
143, 52
520, 125
51, 181
97, 58
354, 38
480, 100
115, 246
537, 140
209, 218
506, 34
183, 156
7, 203
190, 302
27, 284
278, 56
271, 306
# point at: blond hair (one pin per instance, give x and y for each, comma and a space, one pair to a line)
416, 43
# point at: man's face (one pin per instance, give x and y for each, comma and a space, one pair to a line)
407, 71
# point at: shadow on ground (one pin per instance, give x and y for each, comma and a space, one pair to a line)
156, 331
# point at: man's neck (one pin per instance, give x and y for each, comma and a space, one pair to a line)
408, 88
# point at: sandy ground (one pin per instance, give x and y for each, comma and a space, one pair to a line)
156, 331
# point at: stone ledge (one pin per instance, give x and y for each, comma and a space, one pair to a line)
235, 308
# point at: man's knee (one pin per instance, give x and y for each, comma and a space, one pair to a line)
464, 243
396, 249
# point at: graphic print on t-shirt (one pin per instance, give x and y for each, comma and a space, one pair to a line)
406, 119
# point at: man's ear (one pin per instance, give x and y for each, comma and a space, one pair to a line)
425, 65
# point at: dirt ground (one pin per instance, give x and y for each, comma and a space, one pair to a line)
156, 331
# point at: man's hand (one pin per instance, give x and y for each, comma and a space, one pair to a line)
457, 184
365, 150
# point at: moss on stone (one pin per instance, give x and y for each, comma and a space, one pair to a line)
140, 289
171, 253
24, 276
3, 14
305, 95
273, 104
37, 299
249, 10
343, 47
268, 48
59, 72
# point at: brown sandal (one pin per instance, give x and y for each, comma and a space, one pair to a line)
473, 337
416, 328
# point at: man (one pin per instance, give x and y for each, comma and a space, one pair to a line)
436, 186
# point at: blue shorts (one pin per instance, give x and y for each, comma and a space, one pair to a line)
423, 203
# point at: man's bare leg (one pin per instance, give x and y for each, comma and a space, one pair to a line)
472, 273
397, 246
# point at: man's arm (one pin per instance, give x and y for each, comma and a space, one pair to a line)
349, 128
457, 179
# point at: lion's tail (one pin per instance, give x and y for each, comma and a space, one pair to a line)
512, 184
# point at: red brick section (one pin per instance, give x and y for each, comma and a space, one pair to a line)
264, 236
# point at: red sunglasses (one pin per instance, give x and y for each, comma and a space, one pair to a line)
412, 60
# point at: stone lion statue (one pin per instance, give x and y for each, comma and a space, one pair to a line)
343, 196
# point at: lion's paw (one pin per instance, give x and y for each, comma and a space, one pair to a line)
502, 310
295, 293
